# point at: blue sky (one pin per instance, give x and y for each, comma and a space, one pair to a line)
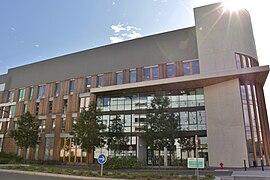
35, 30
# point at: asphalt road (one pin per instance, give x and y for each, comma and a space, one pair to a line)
16, 176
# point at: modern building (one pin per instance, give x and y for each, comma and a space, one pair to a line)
210, 72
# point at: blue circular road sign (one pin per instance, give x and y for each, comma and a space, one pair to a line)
102, 159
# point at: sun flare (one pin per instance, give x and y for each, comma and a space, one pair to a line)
234, 5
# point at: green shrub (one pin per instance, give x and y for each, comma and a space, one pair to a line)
80, 172
50, 170
57, 170
10, 158
69, 171
40, 169
123, 163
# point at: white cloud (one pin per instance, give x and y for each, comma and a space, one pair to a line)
37, 45
115, 39
117, 28
122, 33
113, 3
134, 35
132, 28
12, 28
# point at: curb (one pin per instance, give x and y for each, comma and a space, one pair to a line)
55, 175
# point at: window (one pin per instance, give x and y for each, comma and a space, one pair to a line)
187, 68
12, 111
238, 61
74, 121
37, 109
132, 76
119, 79
154, 73
21, 94
3, 112
41, 91
53, 124
191, 67
84, 103
42, 125
146, 74
100, 80
11, 96
88, 81
50, 107
31, 92
65, 103
24, 108
15, 125
63, 126
195, 67
170, 70
71, 86
57, 89
244, 61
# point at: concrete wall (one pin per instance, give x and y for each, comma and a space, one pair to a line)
161, 48
225, 124
220, 34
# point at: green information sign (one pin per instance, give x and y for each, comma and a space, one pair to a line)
192, 163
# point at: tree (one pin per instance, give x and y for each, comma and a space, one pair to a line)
116, 138
27, 133
161, 126
188, 143
88, 130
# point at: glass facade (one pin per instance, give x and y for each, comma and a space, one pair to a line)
251, 115
188, 106
244, 61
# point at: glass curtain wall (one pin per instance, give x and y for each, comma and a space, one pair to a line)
188, 105
252, 118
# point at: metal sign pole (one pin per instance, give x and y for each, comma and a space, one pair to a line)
101, 170
197, 154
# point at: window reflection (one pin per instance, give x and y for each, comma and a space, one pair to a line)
119, 79
146, 74
188, 104
170, 70
132, 76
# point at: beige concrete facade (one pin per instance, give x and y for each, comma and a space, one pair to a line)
225, 125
